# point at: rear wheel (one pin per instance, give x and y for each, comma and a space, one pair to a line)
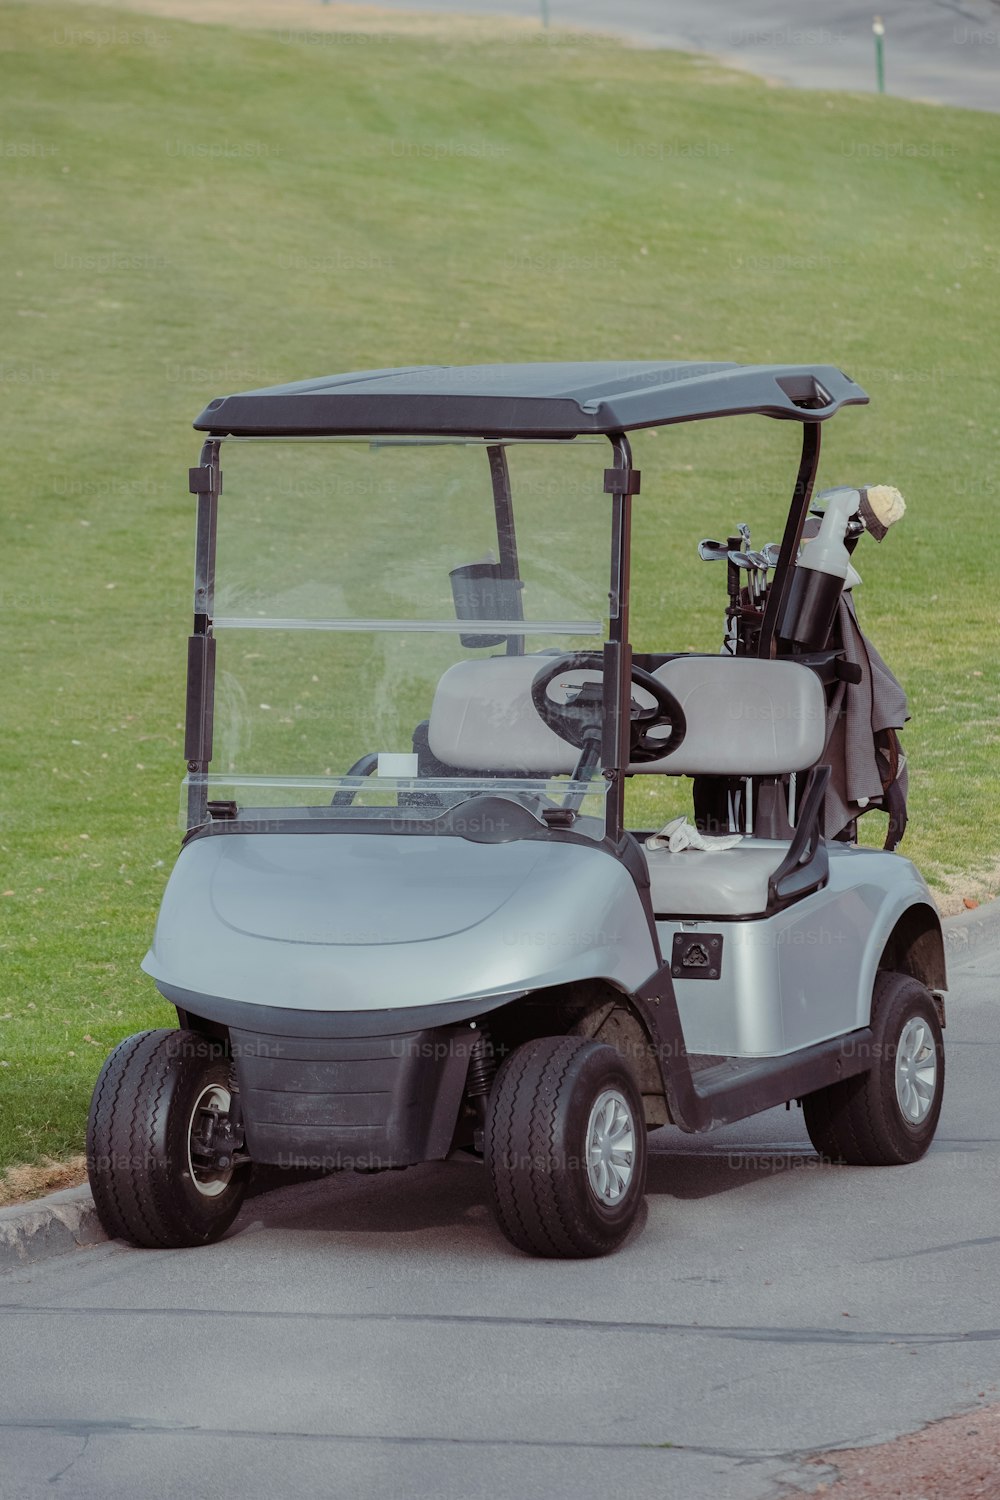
565, 1148
887, 1116
157, 1104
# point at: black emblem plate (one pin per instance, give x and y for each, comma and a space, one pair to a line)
696, 955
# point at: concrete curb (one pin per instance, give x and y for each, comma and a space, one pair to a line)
67, 1220
36, 1231
969, 930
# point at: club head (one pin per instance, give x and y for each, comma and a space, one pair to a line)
811, 527
772, 552
744, 531
759, 561
742, 560
710, 551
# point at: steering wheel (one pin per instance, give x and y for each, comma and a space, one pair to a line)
580, 718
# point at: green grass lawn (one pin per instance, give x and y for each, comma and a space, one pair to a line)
191, 210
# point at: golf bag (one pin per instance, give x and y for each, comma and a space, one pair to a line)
863, 749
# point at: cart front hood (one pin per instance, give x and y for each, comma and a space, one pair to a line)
358, 889
345, 921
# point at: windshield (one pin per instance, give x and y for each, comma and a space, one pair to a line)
381, 610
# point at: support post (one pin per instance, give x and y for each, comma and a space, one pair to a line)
799, 509
206, 483
621, 482
503, 510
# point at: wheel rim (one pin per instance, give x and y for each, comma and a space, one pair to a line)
916, 1070
208, 1180
610, 1147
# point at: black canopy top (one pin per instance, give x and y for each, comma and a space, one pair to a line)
529, 401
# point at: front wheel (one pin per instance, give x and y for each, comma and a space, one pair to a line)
886, 1117
157, 1104
565, 1148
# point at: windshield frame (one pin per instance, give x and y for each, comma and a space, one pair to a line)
620, 483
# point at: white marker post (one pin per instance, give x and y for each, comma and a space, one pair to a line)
879, 30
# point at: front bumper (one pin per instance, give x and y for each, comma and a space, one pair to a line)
325, 1091
334, 1103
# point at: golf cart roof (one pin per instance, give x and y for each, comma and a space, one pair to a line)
529, 401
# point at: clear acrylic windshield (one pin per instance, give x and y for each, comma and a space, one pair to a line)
381, 611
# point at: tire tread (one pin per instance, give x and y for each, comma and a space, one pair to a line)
853, 1121
137, 1188
527, 1124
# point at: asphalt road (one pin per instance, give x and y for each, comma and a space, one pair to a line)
945, 51
374, 1337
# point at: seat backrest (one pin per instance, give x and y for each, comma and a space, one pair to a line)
744, 718
483, 719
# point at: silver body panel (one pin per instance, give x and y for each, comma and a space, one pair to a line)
341, 922
357, 922
805, 974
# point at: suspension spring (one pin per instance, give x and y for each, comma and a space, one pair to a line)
482, 1065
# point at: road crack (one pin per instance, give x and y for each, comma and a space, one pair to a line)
845, 1337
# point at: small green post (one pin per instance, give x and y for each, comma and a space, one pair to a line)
545, 13
879, 31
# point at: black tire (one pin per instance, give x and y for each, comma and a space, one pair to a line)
536, 1147
138, 1137
860, 1121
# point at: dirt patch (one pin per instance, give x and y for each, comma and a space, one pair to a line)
954, 1459
21, 1184
960, 893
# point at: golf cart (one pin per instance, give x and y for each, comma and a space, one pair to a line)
409, 917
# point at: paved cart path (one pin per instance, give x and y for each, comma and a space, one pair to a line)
938, 51
944, 51
373, 1337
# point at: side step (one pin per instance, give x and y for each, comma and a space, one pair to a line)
720, 1092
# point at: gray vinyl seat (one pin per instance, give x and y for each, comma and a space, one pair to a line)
744, 718
721, 883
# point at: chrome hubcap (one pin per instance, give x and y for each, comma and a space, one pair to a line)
208, 1180
610, 1147
916, 1070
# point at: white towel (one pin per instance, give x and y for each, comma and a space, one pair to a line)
678, 835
